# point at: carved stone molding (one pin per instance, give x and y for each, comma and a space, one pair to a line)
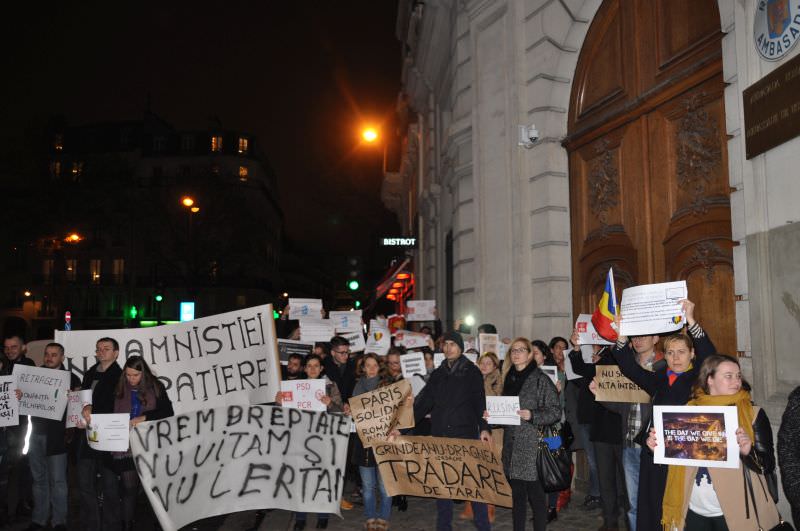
603, 185
707, 255
698, 152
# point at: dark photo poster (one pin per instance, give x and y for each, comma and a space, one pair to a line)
696, 436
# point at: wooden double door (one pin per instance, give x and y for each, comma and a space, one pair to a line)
649, 192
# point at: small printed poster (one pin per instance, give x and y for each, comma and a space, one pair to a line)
303, 394
412, 363
696, 436
109, 432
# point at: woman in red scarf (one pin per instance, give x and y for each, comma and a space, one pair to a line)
142, 396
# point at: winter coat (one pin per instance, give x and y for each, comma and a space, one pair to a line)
456, 400
789, 453
606, 425
493, 383
521, 443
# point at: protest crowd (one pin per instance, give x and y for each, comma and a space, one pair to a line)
397, 410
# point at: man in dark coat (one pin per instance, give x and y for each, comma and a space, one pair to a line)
102, 380
47, 456
340, 367
456, 400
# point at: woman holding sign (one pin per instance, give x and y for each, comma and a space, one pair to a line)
669, 385
372, 374
141, 395
333, 403
539, 407
700, 498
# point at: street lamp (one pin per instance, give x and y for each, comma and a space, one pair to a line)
187, 201
73, 237
369, 134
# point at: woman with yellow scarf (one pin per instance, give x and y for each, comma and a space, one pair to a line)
718, 499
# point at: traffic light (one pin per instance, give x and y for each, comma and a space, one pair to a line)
352, 285
357, 304
159, 297
133, 312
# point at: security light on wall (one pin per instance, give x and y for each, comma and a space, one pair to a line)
528, 136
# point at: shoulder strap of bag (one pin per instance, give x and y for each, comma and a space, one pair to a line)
749, 490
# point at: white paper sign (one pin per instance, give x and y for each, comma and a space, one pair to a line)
412, 363
571, 374
9, 405
407, 339
503, 410
74, 410
44, 391
587, 335
300, 308
356, 339
229, 358
287, 347
417, 384
421, 310
488, 343
279, 458
551, 371
316, 330
379, 340
502, 350
304, 394
652, 309
109, 432
696, 436
438, 358
346, 321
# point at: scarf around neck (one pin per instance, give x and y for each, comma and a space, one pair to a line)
515, 379
673, 506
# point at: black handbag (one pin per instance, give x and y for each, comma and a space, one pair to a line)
553, 463
782, 526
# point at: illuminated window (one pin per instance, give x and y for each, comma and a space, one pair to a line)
47, 270
55, 168
216, 144
77, 169
118, 270
72, 268
58, 142
243, 144
94, 269
243, 173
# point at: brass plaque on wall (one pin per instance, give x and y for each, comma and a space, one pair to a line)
772, 109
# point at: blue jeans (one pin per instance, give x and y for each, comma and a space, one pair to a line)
49, 482
588, 447
630, 462
370, 481
444, 516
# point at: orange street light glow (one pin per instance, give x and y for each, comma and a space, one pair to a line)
195, 210
369, 134
187, 201
73, 238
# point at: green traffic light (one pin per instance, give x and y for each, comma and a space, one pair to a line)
159, 298
133, 312
275, 314
353, 285
358, 304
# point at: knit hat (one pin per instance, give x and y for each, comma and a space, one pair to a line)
456, 338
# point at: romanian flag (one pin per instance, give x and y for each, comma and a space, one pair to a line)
603, 316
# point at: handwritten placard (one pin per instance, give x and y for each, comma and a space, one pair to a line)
503, 410
9, 405
74, 410
44, 391
193, 467
378, 412
438, 467
613, 386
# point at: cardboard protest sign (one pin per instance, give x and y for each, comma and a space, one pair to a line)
412, 363
217, 360
9, 405
44, 391
613, 386
346, 321
438, 467
587, 334
696, 436
380, 411
109, 432
503, 410
379, 340
300, 308
421, 310
239, 458
407, 339
303, 394
74, 410
652, 309
356, 339
488, 343
287, 347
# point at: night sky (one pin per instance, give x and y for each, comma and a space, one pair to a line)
301, 76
